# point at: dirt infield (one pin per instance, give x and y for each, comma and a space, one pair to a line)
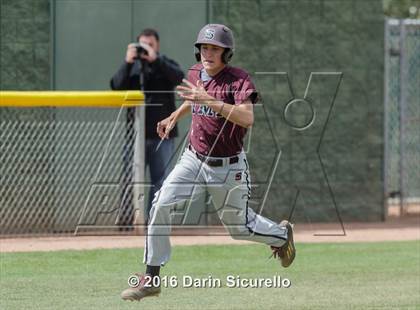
393, 230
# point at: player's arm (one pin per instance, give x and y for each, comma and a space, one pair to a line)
184, 109
165, 126
242, 114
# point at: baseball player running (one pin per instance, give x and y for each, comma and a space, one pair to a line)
220, 98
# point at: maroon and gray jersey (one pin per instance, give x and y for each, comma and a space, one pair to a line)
210, 133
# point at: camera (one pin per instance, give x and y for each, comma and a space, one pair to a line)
140, 50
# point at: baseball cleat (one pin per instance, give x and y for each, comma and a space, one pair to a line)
287, 252
141, 290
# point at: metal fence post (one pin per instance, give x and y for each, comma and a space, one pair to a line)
139, 166
386, 118
401, 110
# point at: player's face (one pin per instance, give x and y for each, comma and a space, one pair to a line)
211, 58
151, 41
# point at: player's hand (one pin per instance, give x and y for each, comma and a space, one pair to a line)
165, 126
194, 93
151, 53
131, 54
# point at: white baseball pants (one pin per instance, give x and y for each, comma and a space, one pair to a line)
230, 187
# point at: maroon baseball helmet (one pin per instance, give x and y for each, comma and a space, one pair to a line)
219, 35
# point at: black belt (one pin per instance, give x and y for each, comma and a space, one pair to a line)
214, 162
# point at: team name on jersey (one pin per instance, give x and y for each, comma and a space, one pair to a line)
204, 110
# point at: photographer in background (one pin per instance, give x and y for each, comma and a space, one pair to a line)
160, 76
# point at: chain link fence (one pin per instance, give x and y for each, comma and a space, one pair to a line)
402, 115
65, 169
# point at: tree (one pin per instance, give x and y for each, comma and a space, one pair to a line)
402, 8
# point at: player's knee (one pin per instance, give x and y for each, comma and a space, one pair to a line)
163, 203
161, 198
160, 205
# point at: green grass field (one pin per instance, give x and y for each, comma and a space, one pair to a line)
324, 276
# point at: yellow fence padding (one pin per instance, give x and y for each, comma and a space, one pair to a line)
111, 99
